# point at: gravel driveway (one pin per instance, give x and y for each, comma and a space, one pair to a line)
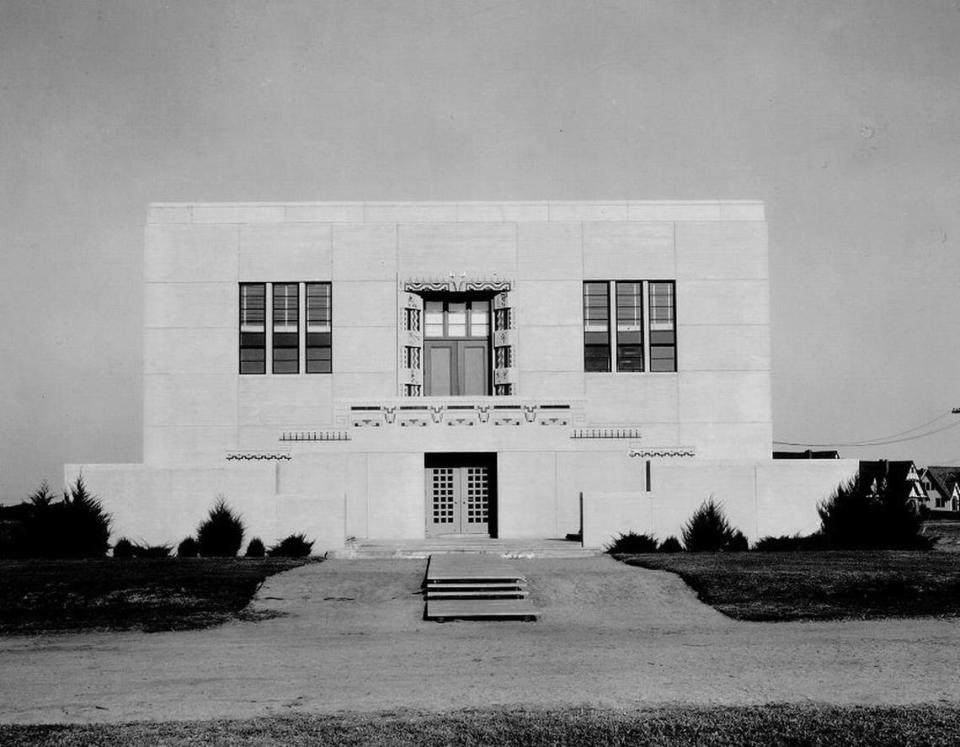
353, 638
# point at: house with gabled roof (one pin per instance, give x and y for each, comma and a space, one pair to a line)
942, 485
901, 477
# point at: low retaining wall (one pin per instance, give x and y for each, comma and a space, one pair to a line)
165, 505
759, 498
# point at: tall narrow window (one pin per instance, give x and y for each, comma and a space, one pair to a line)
663, 333
286, 330
596, 326
629, 326
253, 330
319, 328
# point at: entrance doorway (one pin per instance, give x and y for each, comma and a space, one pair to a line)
460, 493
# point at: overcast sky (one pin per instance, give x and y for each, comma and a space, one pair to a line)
841, 116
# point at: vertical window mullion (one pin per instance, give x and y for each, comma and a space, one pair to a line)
286, 328
319, 328
302, 328
596, 326
629, 329
252, 322
663, 326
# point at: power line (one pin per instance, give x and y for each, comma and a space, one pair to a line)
911, 430
877, 442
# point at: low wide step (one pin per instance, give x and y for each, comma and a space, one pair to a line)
463, 594
479, 586
451, 609
468, 568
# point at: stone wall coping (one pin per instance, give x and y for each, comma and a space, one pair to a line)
542, 211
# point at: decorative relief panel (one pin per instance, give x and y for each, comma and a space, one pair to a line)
410, 345
461, 411
663, 451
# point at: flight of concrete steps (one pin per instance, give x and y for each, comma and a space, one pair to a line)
473, 586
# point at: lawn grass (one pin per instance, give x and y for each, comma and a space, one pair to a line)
755, 725
778, 586
112, 594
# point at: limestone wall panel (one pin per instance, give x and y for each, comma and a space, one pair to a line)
724, 396
729, 440
285, 253
631, 398
477, 249
364, 385
191, 253
190, 351
722, 250
723, 348
549, 303
186, 444
365, 350
396, 495
363, 304
527, 494
285, 401
190, 305
190, 399
364, 252
628, 251
550, 251
550, 349
723, 302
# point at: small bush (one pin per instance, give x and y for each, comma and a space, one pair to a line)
75, 527
220, 535
256, 549
738, 542
709, 531
631, 542
294, 546
670, 544
123, 548
188, 548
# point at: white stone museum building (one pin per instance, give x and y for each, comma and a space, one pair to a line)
400, 371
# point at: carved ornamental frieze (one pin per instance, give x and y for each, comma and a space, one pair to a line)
407, 413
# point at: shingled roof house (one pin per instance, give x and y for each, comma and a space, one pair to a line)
901, 477
942, 485
407, 370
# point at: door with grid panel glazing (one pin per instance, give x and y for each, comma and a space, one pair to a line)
458, 499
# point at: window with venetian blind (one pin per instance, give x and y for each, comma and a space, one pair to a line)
618, 336
284, 336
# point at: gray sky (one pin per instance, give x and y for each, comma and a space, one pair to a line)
841, 116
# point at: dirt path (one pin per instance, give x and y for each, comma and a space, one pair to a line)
354, 639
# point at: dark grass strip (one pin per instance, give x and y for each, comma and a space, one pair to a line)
112, 594
818, 585
756, 725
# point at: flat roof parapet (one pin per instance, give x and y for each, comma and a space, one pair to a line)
454, 212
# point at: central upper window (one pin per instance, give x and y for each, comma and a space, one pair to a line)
456, 345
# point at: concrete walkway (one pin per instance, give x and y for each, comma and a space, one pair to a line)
353, 638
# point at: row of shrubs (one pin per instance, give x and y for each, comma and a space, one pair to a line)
856, 516
77, 526
707, 530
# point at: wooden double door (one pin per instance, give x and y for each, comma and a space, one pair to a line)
460, 493
456, 368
